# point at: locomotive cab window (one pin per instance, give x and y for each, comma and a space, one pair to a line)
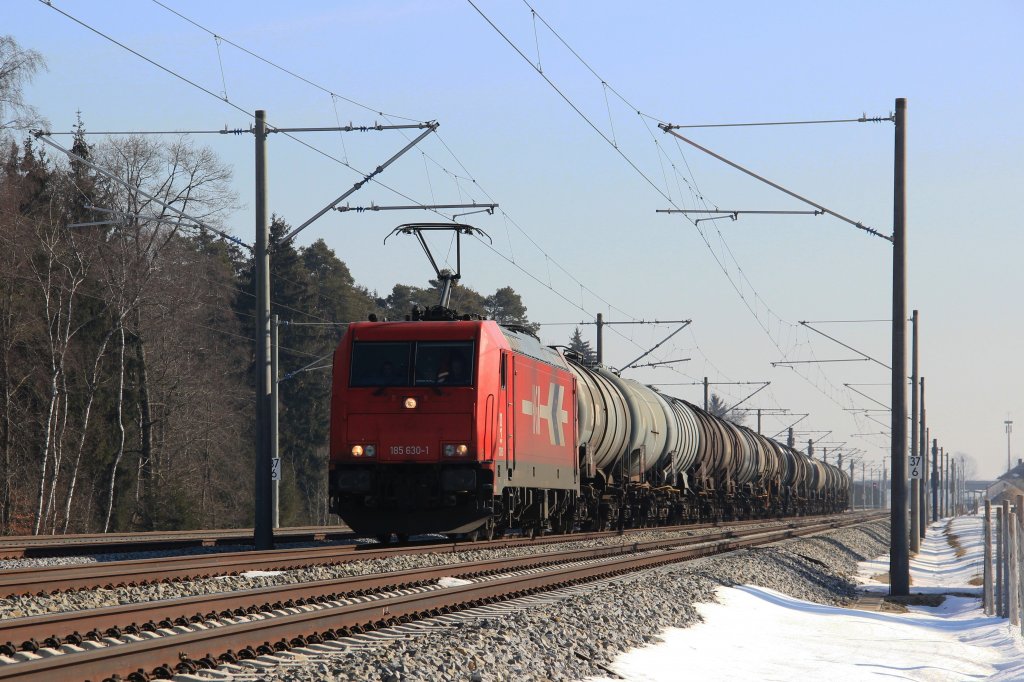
444, 363
380, 364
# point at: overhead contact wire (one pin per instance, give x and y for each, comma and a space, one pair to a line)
648, 180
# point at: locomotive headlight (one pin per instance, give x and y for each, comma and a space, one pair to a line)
357, 450
370, 451
461, 450
410, 403
449, 450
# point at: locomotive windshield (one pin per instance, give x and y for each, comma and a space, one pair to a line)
417, 363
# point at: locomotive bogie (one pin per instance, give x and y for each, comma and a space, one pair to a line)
412, 498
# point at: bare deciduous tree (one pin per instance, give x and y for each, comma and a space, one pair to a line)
17, 67
143, 271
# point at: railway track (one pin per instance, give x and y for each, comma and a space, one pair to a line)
135, 572
37, 546
177, 636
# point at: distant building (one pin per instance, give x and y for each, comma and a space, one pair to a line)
1007, 486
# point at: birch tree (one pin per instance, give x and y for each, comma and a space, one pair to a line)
139, 277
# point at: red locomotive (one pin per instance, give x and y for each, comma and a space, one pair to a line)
433, 423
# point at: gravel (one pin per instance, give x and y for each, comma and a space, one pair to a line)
18, 606
579, 635
569, 635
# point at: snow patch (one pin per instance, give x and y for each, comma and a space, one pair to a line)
754, 633
260, 574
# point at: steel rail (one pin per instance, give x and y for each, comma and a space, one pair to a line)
190, 650
188, 609
36, 580
25, 546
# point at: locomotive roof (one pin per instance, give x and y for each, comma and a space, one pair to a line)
532, 347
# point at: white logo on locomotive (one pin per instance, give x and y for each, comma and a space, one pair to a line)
553, 412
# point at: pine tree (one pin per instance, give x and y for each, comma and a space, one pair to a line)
505, 306
719, 408
336, 296
399, 303
464, 300
576, 343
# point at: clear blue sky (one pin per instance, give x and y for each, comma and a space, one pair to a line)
507, 134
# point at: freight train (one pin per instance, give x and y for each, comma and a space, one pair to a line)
467, 427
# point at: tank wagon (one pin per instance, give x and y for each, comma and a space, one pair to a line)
466, 426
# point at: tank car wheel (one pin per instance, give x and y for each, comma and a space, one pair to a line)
402, 537
383, 538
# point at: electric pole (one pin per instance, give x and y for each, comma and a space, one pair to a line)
922, 489
863, 486
884, 487
952, 487
949, 483
275, 412
852, 501
916, 466
1009, 429
945, 481
899, 552
263, 531
935, 479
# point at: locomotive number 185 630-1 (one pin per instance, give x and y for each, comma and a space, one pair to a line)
410, 450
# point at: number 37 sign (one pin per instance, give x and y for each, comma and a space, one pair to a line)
916, 466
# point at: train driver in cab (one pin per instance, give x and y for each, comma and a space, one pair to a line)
387, 375
455, 372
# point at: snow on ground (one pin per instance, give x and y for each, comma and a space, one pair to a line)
936, 569
760, 634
